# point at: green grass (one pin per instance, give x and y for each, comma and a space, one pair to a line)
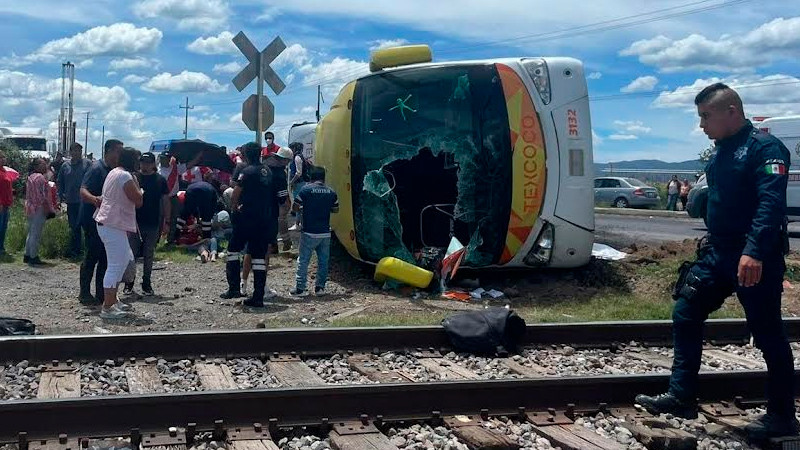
55, 237
173, 253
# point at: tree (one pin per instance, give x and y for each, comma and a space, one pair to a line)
705, 154
18, 160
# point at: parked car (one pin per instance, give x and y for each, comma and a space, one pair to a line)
698, 199
622, 192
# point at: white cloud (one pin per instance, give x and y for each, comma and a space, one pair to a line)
642, 84
631, 126
38, 99
294, 55
477, 20
183, 82
84, 64
594, 76
623, 137
768, 95
333, 75
779, 38
597, 140
306, 110
386, 43
112, 40
221, 44
84, 12
270, 13
132, 63
228, 68
134, 79
190, 14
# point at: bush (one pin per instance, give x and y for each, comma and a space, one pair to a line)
55, 237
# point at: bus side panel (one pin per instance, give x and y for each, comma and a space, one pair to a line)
333, 143
529, 173
575, 202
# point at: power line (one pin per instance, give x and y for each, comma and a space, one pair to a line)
610, 24
602, 26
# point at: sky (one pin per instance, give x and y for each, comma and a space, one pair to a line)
137, 61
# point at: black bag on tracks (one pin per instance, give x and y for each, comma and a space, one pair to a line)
16, 327
489, 331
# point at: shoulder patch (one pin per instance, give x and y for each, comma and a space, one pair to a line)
775, 167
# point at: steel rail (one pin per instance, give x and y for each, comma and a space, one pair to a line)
118, 415
326, 341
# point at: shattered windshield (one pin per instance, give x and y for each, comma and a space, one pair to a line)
431, 159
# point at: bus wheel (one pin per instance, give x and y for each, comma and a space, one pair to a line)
621, 202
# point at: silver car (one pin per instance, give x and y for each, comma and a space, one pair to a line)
622, 192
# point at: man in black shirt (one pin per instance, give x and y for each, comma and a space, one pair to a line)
152, 218
199, 201
253, 225
91, 195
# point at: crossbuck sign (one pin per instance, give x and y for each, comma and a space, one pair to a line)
258, 112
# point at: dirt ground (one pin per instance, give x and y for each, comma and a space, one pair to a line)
187, 293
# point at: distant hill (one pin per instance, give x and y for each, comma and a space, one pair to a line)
653, 164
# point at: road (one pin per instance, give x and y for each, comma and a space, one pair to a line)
621, 231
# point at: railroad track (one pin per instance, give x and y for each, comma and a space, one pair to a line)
354, 386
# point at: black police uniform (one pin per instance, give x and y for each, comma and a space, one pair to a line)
200, 201
747, 178
252, 226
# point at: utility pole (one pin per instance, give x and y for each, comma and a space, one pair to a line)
319, 96
86, 139
186, 120
103, 138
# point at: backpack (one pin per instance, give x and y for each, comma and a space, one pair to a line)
16, 327
489, 331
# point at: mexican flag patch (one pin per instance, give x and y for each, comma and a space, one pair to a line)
775, 169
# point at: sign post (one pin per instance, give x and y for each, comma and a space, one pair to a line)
258, 113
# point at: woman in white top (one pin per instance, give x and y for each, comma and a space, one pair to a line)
116, 217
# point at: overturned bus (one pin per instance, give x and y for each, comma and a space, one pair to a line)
497, 153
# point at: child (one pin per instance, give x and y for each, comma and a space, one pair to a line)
316, 202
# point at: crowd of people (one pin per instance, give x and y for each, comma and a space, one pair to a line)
120, 206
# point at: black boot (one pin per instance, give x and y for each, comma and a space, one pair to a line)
259, 283
233, 273
771, 426
668, 404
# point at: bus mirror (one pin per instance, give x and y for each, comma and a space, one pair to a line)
399, 56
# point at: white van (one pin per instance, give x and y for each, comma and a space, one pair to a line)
787, 129
304, 133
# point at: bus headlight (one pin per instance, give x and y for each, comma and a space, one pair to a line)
542, 249
537, 69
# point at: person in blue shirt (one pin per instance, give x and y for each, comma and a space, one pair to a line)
92, 194
69, 179
315, 202
742, 253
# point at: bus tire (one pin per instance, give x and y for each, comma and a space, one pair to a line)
621, 202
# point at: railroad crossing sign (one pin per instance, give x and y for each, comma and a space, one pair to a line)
250, 112
258, 113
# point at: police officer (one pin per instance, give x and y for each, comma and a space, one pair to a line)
252, 217
742, 253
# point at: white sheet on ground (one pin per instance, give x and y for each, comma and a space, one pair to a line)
602, 251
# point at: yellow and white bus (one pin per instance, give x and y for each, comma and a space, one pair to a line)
497, 153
